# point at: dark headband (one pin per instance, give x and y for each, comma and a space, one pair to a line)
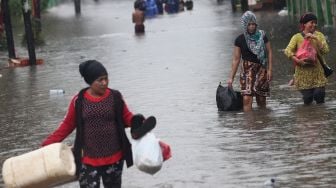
307, 17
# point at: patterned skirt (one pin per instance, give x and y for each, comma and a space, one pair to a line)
253, 79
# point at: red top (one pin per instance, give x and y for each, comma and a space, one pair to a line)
69, 124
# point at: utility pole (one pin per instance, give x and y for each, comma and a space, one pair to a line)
77, 6
233, 5
8, 29
244, 5
29, 32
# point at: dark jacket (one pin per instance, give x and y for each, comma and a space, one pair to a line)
126, 145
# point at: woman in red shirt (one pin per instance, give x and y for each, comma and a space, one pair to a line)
99, 115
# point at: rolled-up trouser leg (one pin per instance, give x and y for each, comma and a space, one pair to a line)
307, 95
319, 95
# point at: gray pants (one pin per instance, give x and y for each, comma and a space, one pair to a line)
317, 94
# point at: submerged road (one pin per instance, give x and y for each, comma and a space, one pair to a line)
172, 72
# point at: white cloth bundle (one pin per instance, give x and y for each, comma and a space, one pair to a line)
45, 167
252, 2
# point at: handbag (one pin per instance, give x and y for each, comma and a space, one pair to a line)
327, 70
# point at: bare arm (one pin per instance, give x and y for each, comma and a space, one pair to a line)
291, 49
270, 61
235, 64
65, 128
143, 17
320, 40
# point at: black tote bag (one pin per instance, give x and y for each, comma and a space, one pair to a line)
228, 100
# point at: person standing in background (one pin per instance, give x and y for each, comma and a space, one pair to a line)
138, 18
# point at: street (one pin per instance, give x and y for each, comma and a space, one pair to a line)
172, 72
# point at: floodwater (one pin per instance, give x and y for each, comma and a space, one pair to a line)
172, 72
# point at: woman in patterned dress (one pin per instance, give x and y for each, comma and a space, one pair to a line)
253, 49
309, 79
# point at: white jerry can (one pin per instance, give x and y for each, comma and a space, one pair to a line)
45, 167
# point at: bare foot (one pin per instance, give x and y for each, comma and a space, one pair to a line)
291, 82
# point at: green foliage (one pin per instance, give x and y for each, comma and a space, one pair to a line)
44, 4
16, 6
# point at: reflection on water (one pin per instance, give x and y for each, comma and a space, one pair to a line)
297, 147
172, 72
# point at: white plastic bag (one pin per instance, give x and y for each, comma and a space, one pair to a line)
147, 154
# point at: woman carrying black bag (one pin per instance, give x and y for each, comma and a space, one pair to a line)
254, 48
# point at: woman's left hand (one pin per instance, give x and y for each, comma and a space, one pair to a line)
314, 37
310, 36
269, 76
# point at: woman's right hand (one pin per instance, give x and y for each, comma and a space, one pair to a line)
299, 62
302, 63
229, 82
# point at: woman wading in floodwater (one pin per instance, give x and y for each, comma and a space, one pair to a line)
254, 50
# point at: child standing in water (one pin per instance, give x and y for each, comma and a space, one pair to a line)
138, 19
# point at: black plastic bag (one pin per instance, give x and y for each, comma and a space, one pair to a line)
327, 70
189, 4
228, 100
